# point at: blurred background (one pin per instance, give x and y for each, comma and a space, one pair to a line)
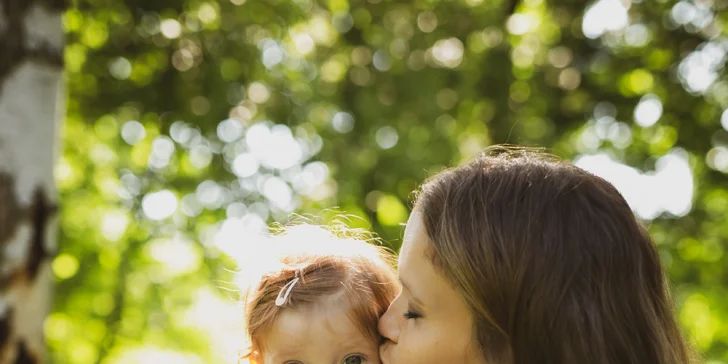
192, 124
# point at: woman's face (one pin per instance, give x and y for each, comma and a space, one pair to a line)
429, 322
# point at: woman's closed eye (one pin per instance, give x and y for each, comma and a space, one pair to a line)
412, 315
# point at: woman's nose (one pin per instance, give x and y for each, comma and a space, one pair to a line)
389, 326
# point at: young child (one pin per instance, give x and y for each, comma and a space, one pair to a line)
320, 300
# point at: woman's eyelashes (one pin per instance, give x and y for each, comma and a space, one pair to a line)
412, 314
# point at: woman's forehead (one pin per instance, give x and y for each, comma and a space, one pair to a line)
414, 264
418, 271
415, 237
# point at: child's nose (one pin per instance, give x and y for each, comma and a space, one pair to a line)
388, 325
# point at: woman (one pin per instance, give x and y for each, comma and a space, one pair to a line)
520, 258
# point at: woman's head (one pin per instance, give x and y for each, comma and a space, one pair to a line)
546, 263
321, 299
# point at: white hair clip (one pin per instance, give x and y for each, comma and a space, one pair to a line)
285, 292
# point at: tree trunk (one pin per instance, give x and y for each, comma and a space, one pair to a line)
31, 66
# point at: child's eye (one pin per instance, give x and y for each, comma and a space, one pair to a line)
353, 359
411, 315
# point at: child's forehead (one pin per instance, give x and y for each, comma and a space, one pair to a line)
295, 330
331, 310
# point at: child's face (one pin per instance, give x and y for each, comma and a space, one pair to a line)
313, 335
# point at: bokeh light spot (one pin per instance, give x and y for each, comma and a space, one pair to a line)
170, 28
390, 210
120, 68
427, 21
114, 224
381, 61
386, 137
245, 165
179, 256
133, 132
604, 16
229, 130
448, 53
159, 205
65, 266
279, 193
717, 158
520, 24
668, 189
648, 111
343, 122
258, 92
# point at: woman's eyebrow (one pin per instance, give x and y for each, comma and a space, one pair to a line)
412, 295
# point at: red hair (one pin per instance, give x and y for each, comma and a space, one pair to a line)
326, 263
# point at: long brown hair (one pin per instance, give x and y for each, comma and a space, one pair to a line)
552, 262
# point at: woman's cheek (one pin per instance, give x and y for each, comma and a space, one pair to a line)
423, 344
415, 353
409, 335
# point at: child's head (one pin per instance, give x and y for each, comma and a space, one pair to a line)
321, 301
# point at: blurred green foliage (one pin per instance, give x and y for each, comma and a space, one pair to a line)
190, 123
